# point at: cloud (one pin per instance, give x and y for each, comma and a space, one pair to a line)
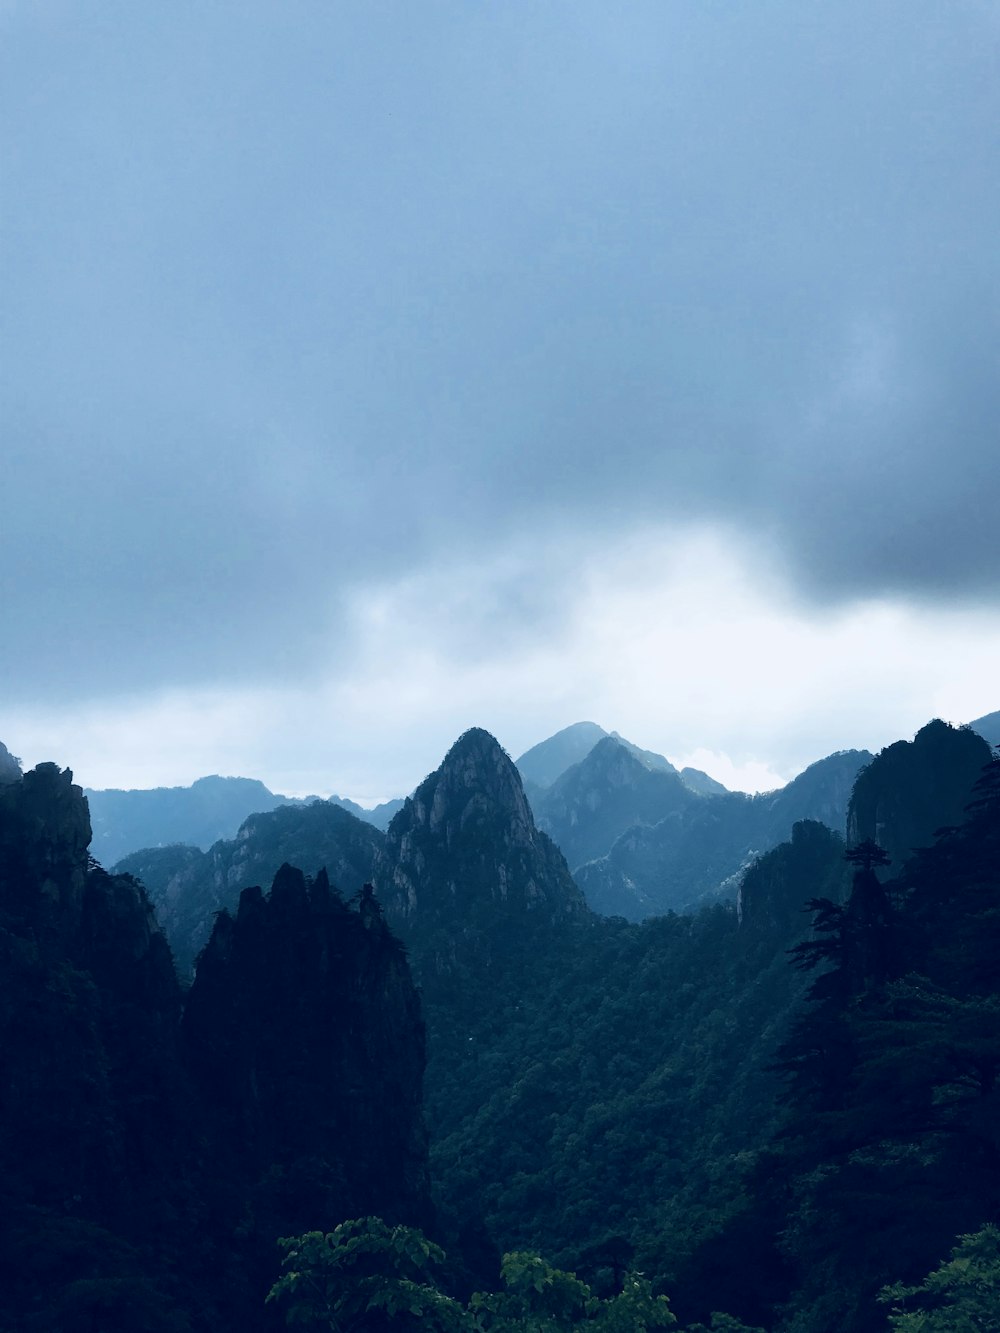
297, 309
681, 640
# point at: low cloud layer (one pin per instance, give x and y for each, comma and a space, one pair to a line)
305, 303
679, 644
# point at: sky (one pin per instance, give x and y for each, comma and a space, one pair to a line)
373, 370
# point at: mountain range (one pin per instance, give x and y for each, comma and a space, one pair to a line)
610, 1092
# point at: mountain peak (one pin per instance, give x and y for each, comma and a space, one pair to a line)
464, 850
544, 762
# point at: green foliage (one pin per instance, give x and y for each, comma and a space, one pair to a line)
363, 1275
961, 1296
366, 1275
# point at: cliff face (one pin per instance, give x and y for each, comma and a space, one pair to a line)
463, 862
44, 835
913, 788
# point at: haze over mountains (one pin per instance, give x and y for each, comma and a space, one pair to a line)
640, 837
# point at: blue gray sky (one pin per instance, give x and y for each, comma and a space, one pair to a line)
372, 370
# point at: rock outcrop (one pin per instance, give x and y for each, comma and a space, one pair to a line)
463, 863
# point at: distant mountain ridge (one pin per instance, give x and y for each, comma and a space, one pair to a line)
988, 726
697, 850
212, 808
188, 886
546, 762
592, 803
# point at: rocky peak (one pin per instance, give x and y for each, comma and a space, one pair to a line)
550, 758
44, 836
477, 775
464, 850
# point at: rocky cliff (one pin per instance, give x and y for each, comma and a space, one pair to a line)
463, 863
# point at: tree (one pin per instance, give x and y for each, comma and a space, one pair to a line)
961, 1296
364, 1275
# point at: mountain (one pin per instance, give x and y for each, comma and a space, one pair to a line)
913, 788
188, 886
212, 808
988, 727
463, 862
700, 782
774, 890
544, 762
591, 804
697, 851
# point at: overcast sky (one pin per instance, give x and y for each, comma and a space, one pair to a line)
373, 370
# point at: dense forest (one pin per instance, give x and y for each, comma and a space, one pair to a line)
778, 1111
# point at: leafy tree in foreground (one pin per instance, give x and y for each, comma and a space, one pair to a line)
364, 1275
961, 1296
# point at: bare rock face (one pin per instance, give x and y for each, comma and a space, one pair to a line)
463, 858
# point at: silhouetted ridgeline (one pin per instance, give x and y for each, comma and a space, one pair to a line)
775, 1142
148, 1162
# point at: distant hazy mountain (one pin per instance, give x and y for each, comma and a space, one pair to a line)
988, 727
546, 762
210, 809
696, 852
592, 803
700, 782
187, 886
